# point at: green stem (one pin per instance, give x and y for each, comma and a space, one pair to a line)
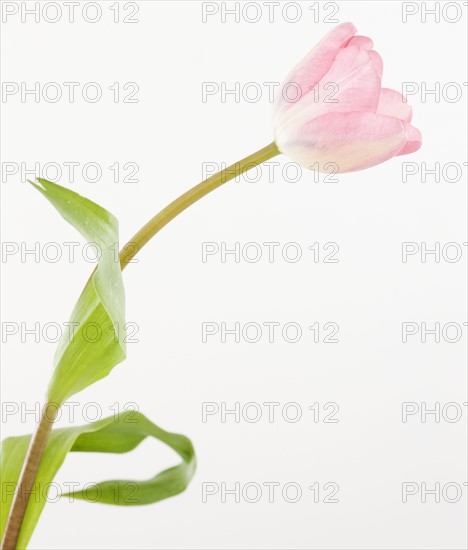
156, 223
147, 232
28, 477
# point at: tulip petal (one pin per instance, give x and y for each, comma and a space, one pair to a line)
347, 141
414, 140
376, 62
363, 42
351, 84
357, 81
316, 63
392, 103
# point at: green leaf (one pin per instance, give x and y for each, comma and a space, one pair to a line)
116, 434
80, 361
95, 341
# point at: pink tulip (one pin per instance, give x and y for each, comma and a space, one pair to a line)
333, 109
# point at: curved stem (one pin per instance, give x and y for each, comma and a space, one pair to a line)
147, 232
161, 219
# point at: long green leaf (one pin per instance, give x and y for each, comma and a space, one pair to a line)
118, 434
80, 361
97, 322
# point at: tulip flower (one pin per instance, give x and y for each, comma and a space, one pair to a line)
340, 113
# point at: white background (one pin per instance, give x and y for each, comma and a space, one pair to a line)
170, 373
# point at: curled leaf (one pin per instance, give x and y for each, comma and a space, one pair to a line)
95, 342
116, 434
